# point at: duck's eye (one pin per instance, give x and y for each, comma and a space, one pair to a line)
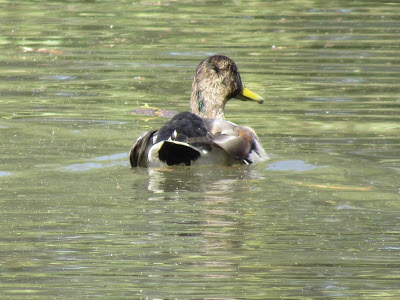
216, 69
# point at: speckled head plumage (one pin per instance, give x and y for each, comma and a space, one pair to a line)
217, 80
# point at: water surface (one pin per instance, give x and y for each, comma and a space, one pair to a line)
319, 220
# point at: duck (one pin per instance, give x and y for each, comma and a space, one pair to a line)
203, 136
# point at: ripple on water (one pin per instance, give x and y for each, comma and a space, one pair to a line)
292, 165
106, 162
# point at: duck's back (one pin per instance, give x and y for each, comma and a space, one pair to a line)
181, 127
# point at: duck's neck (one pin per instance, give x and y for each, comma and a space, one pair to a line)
206, 104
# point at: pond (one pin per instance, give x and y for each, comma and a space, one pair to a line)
320, 219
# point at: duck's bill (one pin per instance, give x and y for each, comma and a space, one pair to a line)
247, 95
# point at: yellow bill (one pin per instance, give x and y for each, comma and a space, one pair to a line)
247, 95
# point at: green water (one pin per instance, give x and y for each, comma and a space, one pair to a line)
320, 220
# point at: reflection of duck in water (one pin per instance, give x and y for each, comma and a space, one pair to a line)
203, 136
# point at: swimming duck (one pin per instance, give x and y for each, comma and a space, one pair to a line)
203, 136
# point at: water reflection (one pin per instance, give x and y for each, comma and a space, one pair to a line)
203, 208
200, 179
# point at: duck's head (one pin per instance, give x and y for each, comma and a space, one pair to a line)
217, 80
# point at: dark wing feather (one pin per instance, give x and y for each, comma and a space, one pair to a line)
181, 128
176, 154
140, 149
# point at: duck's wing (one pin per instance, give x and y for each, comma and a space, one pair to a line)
170, 145
235, 146
239, 141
